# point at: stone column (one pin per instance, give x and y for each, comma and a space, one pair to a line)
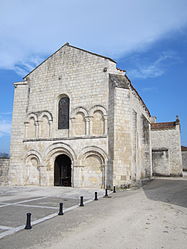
90, 125
42, 175
37, 129
77, 175
105, 124
104, 176
71, 133
87, 119
50, 128
26, 130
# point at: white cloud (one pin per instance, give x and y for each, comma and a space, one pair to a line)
22, 68
154, 69
112, 28
5, 127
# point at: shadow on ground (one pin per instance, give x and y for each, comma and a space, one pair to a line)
169, 191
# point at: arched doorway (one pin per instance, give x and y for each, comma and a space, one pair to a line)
62, 171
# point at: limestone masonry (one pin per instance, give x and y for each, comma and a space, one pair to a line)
4, 166
166, 148
184, 157
78, 121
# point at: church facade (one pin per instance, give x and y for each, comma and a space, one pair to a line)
78, 121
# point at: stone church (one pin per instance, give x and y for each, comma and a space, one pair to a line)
78, 121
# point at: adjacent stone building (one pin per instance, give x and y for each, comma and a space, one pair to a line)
184, 157
78, 121
166, 148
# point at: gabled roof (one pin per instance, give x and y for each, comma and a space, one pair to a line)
164, 125
67, 44
108, 58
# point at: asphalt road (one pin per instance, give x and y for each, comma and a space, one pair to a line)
41, 202
151, 217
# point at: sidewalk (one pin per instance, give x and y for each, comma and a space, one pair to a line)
152, 217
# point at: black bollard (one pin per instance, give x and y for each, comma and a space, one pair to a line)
106, 193
114, 191
81, 202
61, 209
28, 222
96, 199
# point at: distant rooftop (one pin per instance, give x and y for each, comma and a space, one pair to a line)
164, 125
183, 148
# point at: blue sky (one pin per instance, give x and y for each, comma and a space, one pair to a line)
147, 38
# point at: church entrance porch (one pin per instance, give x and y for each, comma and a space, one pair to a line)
62, 171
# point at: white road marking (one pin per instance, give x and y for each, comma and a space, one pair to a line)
16, 229
5, 228
35, 199
11, 231
44, 219
27, 205
19, 202
4, 205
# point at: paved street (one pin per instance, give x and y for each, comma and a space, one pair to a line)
151, 217
41, 202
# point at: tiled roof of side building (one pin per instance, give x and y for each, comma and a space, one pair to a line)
121, 70
164, 125
183, 148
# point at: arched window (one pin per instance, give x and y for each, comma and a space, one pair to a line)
79, 124
63, 113
98, 123
31, 129
44, 127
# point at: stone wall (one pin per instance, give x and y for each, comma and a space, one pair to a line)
17, 151
122, 138
140, 132
161, 162
129, 133
108, 135
4, 167
36, 139
184, 160
166, 148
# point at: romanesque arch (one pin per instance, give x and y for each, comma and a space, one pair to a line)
45, 122
78, 121
30, 126
32, 168
44, 127
56, 154
93, 161
98, 116
62, 171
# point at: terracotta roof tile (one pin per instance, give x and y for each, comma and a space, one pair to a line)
121, 70
164, 126
183, 148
